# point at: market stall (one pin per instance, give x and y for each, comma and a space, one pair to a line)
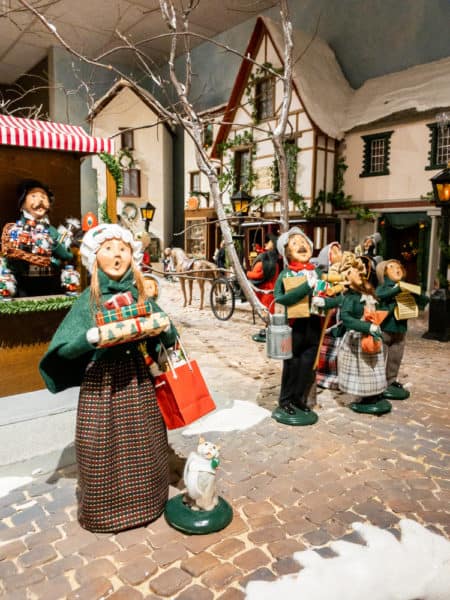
48, 152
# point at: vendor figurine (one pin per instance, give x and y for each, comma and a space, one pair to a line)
34, 235
390, 275
264, 273
298, 374
359, 373
121, 439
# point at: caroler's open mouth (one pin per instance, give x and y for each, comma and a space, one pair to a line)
117, 264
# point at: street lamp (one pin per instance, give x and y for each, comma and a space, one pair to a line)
241, 205
147, 214
439, 315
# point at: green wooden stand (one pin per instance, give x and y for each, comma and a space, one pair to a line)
379, 407
180, 516
300, 418
393, 392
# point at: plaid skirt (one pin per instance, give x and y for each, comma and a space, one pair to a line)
327, 374
359, 373
121, 446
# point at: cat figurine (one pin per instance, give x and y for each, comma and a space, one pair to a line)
200, 476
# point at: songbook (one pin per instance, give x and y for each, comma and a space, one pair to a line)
300, 310
410, 287
406, 306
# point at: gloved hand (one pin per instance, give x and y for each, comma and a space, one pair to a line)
375, 331
93, 335
318, 301
311, 277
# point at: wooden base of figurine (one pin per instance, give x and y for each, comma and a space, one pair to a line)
396, 393
196, 522
301, 417
259, 337
378, 407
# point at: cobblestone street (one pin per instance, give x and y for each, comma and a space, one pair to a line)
290, 488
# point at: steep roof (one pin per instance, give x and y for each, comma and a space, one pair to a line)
419, 89
140, 92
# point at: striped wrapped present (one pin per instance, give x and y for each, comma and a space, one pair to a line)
120, 313
135, 328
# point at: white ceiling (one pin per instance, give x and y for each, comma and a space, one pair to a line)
89, 26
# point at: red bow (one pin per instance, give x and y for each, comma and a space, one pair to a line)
300, 266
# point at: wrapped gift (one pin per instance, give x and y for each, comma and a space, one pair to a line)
135, 328
136, 309
119, 300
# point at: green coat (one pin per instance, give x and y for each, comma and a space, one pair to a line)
69, 353
352, 310
386, 293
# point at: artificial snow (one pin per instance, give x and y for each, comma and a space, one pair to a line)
242, 415
417, 566
7, 484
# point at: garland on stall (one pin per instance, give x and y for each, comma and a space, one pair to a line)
17, 307
113, 166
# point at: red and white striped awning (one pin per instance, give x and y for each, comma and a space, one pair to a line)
30, 133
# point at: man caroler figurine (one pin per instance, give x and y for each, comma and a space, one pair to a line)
31, 245
294, 289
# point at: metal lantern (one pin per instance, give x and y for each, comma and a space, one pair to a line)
241, 202
441, 188
147, 214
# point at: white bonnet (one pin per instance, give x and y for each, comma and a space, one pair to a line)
284, 238
94, 238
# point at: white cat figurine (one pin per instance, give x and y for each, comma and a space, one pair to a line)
200, 476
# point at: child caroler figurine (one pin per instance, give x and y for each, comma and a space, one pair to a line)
361, 373
293, 289
263, 274
392, 291
32, 245
121, 439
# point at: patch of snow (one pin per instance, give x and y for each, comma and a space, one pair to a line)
241, 415
416, 566
7, 484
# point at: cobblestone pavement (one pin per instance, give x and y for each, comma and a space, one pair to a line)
290, 488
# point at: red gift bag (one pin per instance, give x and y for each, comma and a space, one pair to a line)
182, 394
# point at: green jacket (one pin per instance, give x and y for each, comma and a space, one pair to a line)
386, 293
69, 353
352, 310
295, 295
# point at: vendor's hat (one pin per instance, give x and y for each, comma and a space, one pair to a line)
27, 185
94, 238
284, 238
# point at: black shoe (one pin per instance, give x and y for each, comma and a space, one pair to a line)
397, 384
289, 409
303, 408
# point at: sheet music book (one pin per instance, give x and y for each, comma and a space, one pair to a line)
410, 287
301, 309
406, 306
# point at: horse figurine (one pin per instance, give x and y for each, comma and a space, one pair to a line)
192, 268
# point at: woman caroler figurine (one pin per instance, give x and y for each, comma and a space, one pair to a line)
121, 439
361, 373
293, 289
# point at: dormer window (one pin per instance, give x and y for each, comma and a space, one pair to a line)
376, 154
126, 138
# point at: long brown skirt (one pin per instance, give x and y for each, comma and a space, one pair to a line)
121, 447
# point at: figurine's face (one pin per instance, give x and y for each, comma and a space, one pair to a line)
335, 254
394, 271
36, 203
150, 287
354, 277
368, 243
269, 245
298, 249
114, 258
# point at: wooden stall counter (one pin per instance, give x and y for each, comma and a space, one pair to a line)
26, 327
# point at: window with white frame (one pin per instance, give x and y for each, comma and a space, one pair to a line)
376, 154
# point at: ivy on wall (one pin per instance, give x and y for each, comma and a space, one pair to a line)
255, 77
227, 179
114, 167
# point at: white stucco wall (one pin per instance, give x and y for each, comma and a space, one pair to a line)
153, 153
408, 178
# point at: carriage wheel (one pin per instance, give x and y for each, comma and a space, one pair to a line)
222, 299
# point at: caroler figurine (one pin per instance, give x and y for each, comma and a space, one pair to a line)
32, 246
402, 301
263, 274
121, 439
360, 360
293, 289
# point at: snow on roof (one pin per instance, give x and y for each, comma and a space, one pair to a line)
324, 91
421, 88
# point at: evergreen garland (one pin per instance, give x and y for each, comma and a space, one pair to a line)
113, 166
17, 307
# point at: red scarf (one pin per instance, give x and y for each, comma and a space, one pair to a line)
300, 266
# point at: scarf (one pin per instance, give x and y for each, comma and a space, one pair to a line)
111, 286
300, 266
